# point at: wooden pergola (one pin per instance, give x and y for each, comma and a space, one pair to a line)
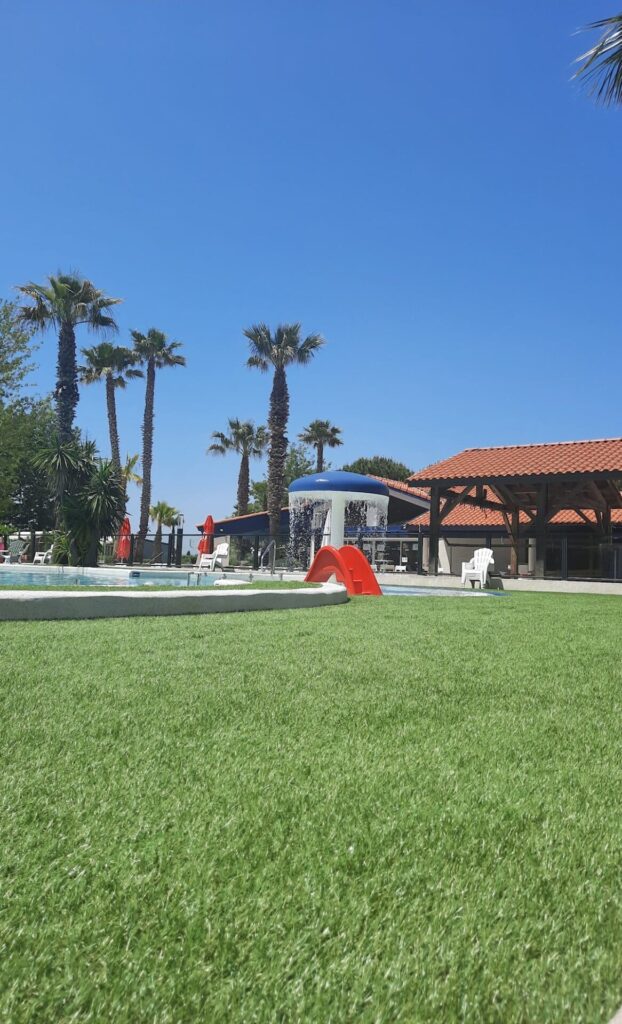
528, 482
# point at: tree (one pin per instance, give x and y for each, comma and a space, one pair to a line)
114, 365
379, 465
601, 65
297, 463
93, 496
128, 471
259, 496
250, 442
15, 351
164, 515
66, 302
321, 434
156, 352
25, 493
279, 350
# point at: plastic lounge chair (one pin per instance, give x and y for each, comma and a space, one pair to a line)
43, 557
15, 550
210, 562
478, 567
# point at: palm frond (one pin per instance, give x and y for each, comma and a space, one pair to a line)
309, 347
601, 65
257, 362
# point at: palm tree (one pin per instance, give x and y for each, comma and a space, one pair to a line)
128, 471
115, 365
278, 350
156, 352
321, 434
66, 302
601, 66
248, 441
164, 515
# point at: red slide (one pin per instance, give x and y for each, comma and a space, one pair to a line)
349, 566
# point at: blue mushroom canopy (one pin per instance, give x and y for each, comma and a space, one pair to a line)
338, 480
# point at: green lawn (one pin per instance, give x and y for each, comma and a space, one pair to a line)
392, 810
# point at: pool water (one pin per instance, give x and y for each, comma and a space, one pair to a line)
438, 592
59, 576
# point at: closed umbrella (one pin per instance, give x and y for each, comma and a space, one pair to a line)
206, 544
124, 542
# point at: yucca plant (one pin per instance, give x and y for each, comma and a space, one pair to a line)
93, 502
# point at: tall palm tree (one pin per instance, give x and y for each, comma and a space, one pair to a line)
321, 434
66, 302
279, 350
115, 365
250, 442
601, 66
164, 515
155, 351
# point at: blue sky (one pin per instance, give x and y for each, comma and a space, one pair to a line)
422, 183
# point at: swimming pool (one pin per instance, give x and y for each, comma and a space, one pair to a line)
68, 576
438, 592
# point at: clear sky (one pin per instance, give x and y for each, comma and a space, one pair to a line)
423, 183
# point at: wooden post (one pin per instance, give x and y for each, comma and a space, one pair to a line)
540, 525
514, 539
435, 520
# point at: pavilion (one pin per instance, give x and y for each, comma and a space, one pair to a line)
529, 486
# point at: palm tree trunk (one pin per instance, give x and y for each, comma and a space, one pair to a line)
145, 496
243, 486
157, 555
112, 424
66, 381
277, 425
320, 458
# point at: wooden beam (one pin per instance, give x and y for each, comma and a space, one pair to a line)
514, 536
540, 524
452, 500
435, 522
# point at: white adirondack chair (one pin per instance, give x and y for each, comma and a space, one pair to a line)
209, 562
43, 557
478, 567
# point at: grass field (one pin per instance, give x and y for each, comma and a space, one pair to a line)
392, 810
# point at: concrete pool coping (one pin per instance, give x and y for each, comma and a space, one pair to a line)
33, 605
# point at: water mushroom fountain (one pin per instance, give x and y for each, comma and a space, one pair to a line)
319, 505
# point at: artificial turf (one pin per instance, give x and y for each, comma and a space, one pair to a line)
392, 810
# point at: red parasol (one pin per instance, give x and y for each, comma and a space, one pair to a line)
206, 544
123, 544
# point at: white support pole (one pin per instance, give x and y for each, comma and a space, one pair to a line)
337, 519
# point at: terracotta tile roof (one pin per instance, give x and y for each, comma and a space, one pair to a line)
399, 485
466, 516
565, 457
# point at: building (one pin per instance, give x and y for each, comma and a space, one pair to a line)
546, 510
